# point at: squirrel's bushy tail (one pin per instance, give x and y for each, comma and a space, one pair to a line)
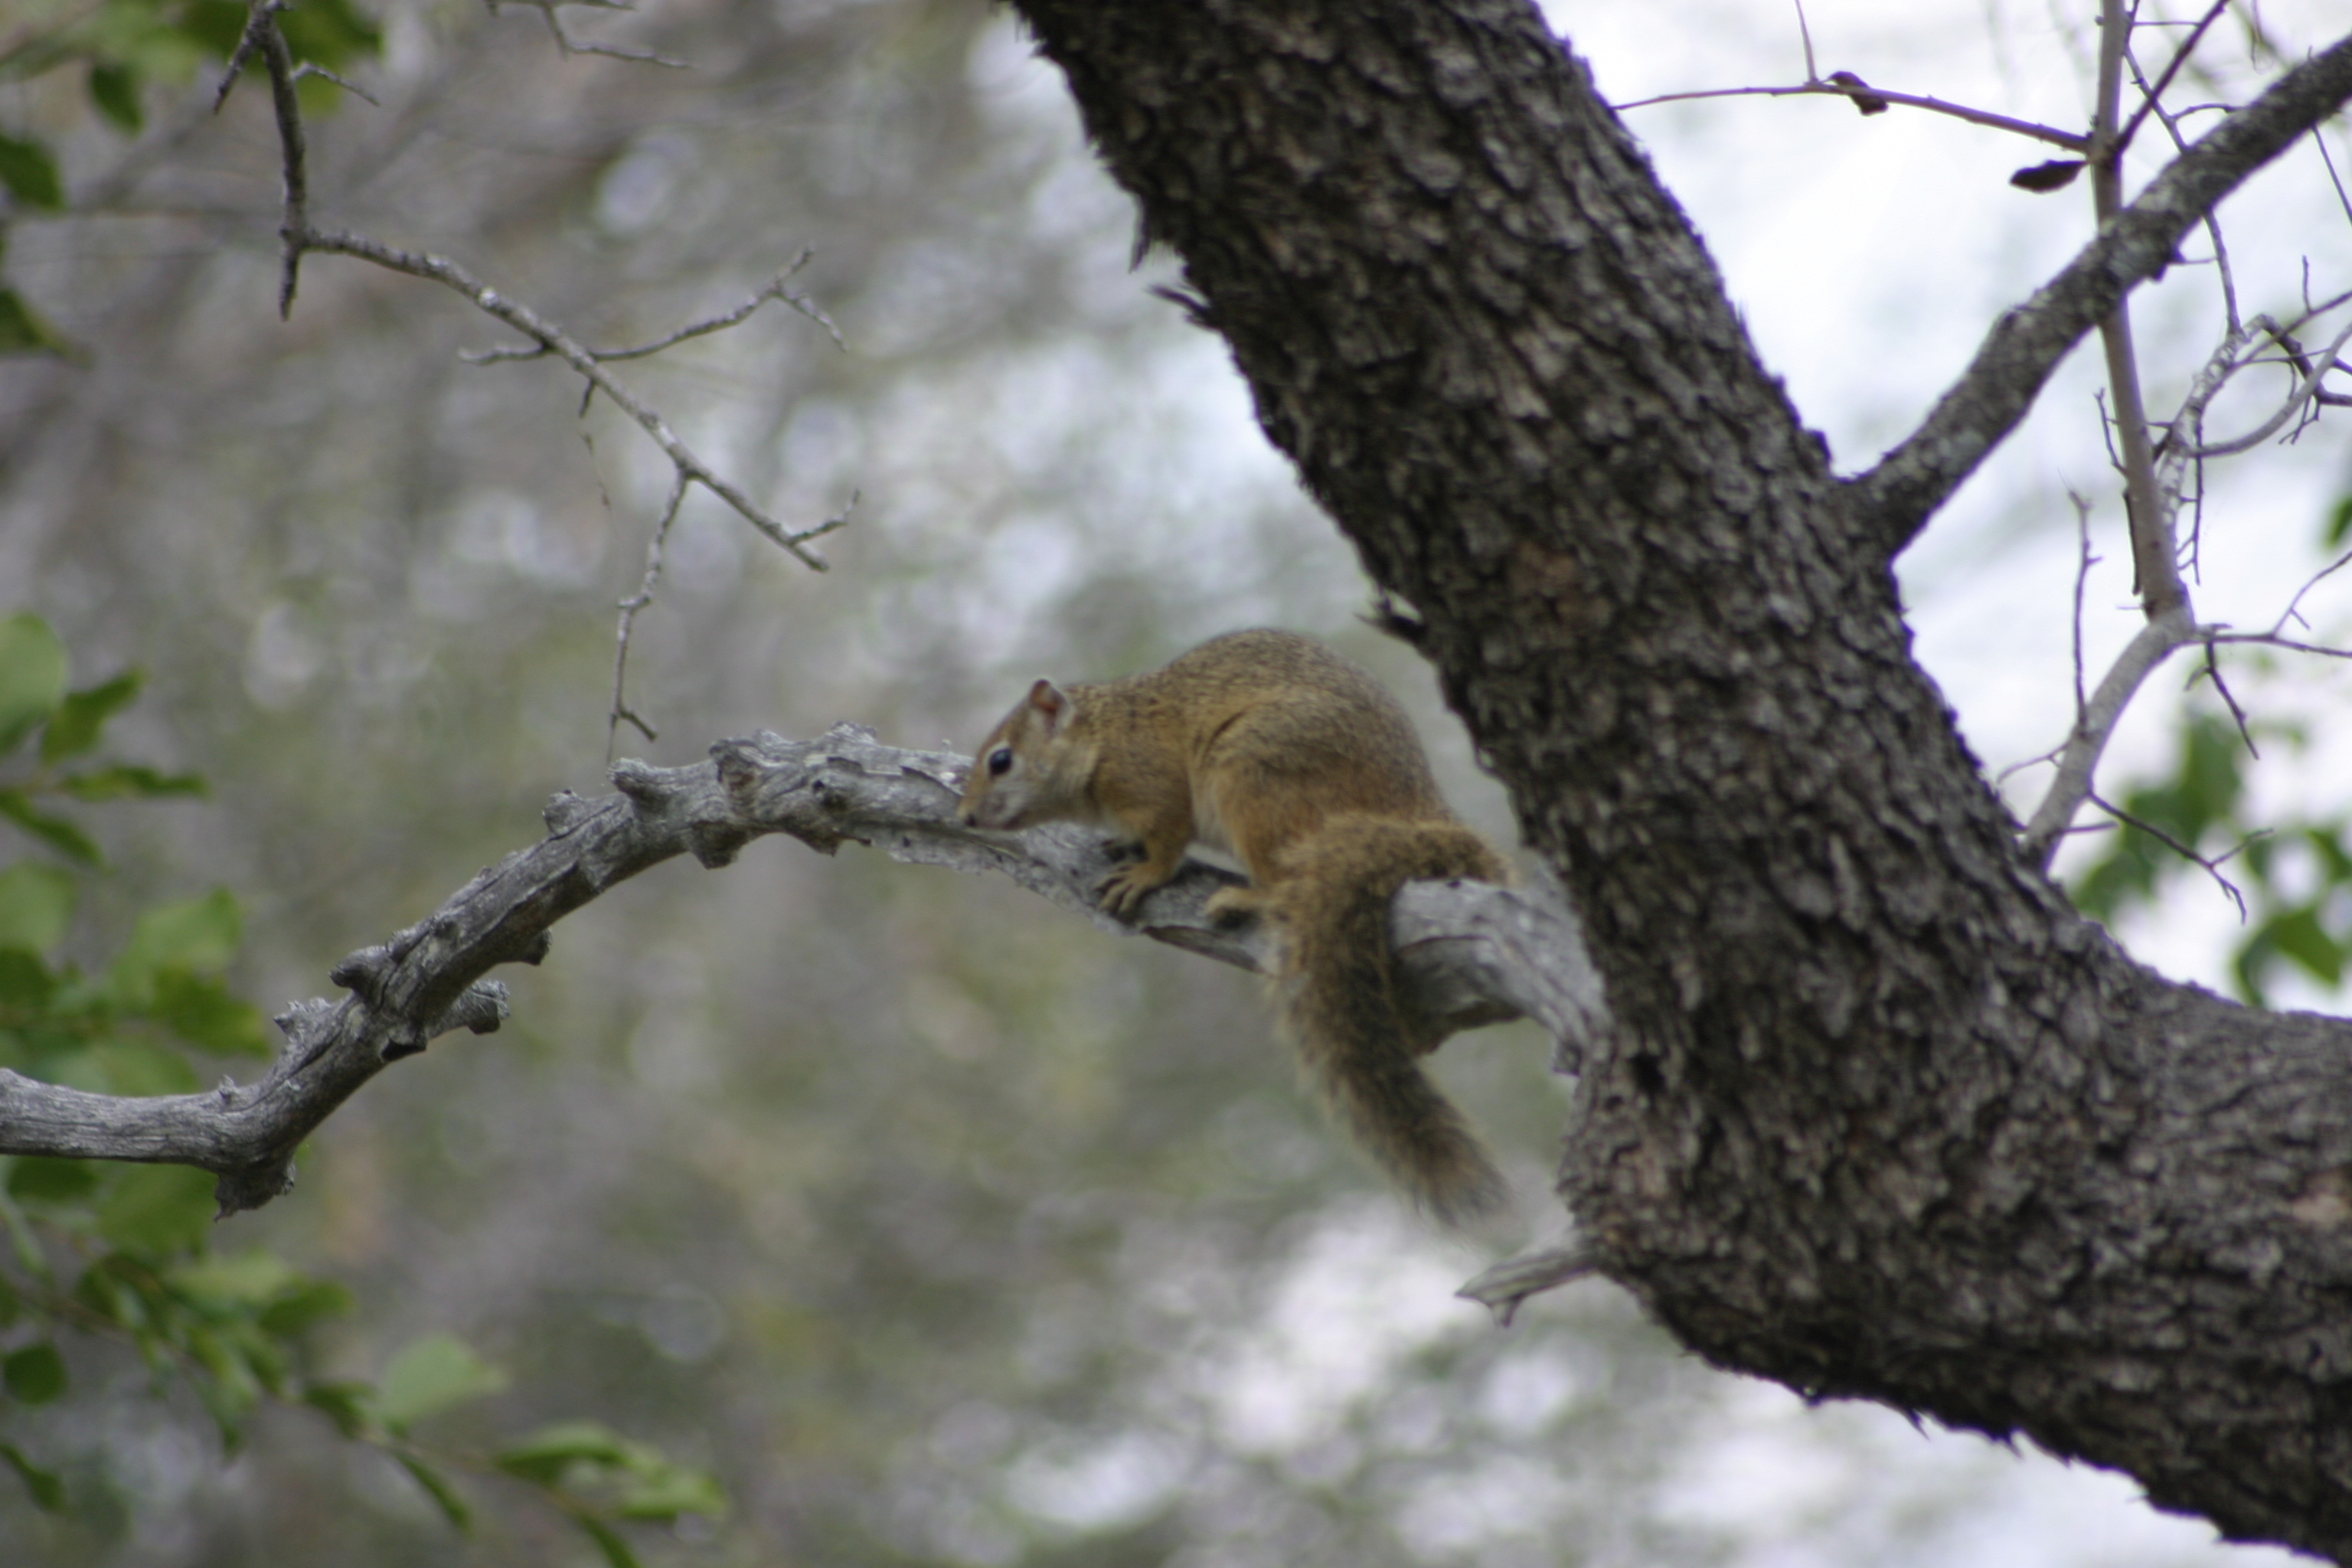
1340, 997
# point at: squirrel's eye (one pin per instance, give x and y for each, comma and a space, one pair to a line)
999, 762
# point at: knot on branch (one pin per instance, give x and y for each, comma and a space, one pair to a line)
642, 783
302, 1019
565, 810
364, 973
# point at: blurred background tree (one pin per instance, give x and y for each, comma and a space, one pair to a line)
939, 1229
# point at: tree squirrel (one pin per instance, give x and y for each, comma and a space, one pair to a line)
1272, 747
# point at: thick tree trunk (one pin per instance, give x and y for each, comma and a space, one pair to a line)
1883, 1116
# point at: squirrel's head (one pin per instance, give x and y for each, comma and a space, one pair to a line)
1009, 786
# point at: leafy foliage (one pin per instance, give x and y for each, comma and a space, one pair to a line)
122, 1252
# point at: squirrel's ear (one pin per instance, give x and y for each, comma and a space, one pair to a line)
1047, 699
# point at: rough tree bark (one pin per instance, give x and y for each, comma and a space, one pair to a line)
1882, 1117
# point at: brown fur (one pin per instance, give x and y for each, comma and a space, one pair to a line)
1272, 746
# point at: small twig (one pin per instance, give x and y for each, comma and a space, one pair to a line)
2213, 868
1813, 71
2306, 388
262, 37
772, 289
2156, 568
2342, 198
629, 608
2179, 57
523, 318
2294, 608
2213, 672
2171, 123
2095, 723
572, 46
1504, 1288
2069, 140
345, 84
2081, 580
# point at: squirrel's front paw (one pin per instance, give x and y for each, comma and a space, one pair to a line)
1120, 892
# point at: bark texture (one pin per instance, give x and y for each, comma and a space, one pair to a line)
1882, 1116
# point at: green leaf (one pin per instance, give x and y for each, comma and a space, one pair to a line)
216, 25
670, 1490
32, 674
38, 1179
195, 936
25, 983
2339, 522
34, 1375
245, 1279
48, 1492
83, 714
434, 1373
312, 1301
344, 1404
54, 831
608, 1540
115, 89
330, 32
24, 331
436, 1487
36, 905
121, 780
2297, 934
201, 1010
29, 170
158, 1209
543, 1457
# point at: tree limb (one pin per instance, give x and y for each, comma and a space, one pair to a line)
1893, 500
1471, 953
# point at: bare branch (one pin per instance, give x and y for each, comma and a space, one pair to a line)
772, 289
2094, 725
2306, 390
1469, 953
349, 86
572, 46
2171, 123
2155, 564
629, 608
523, 318
1504, 1289
2073, 142
1893, 500
2149, 95
2211, 867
